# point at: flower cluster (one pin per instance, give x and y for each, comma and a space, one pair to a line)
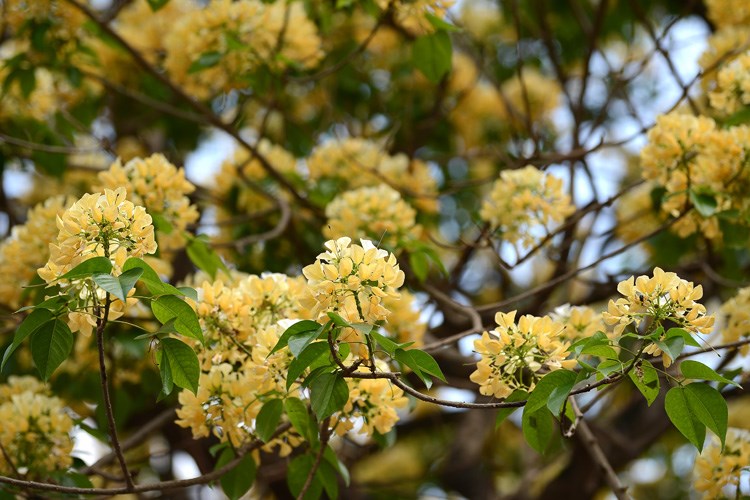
212, 50
732, 91
514, 356
716, 472
98, 225
655, 300
27, 248
685, 153
376, 213
523, 202
375, 401
35, 434
405, 321
637, 214
728, 12
352, 281
162, 189
580, 321
737, 325
354, 163
411, 15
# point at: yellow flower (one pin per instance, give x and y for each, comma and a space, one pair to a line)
524, 204
411, 15
514, 356
737, 311
715, 473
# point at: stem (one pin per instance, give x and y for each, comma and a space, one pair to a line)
325, 435
101, 322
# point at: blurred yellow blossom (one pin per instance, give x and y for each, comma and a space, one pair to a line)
716, 473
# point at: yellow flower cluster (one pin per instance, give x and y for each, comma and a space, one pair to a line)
724, 45
411, 15
35, 433
580, 321
405, 322
654, 300
516, 356
212, 50
728, 12
524, 204
716, 473
356, 163
737, 311
352, 281
376, 213
160, 187
27, 249
732, 91
636, 214
101, 224
375, 401
688, 152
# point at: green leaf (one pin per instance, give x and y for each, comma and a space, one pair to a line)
441, 24
301, 419
157, 4
503, 413
540, 396
432, 55
297, 472
297, 328
204, 257
50, 346
128, 279
671, 346
422, 364
387, 344
338, 320
268, 419
709, 407
697, 370
646, 379
298, 343
329, 393
97, 265
330, 456
327, 473
33, 322
601, 351
679, 412
419, 265
308, 356
205, 60
119, 286
686, 336
188, 292
186, 321
539, 428
165, 372
237, 481
161, 223
149, 277
183, 363
704, 203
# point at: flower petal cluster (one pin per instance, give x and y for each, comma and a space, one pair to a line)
411, 15
580, 321
524, 204
728, 12
35, 433
717, 473
514, 356
378, 213
737, 324
405, 322
212, 50
732, 91
161, 188
352, 281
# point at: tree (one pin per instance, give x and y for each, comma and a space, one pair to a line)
493, 249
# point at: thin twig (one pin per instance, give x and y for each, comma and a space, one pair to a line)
325, 435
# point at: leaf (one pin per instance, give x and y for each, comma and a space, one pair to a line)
157, 4
539, 428
338, 320
186, 321
100, 265
540, 396
646, 379
298, 343
601, 351
34, 321
503, 413
419, 265
204, 257
678, 411
440, 24
149, 277
128, 279
165, 372
704, 203
308, 356
387, 344
268, 419
301, 419
686, 336
709, 407
331, 458
421, 363
205, 60
329, 393
671, 346
237, 481
432, 55
297, 472
50, 346
183, 363
327, 473
119, 286
696, 370
297, 328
